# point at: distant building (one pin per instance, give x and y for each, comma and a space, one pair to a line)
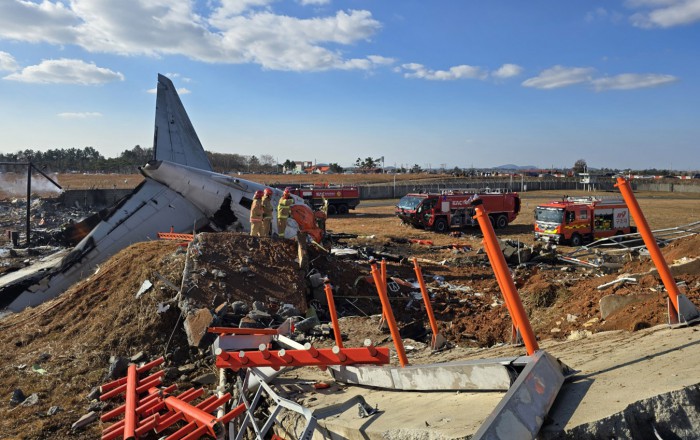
299, 167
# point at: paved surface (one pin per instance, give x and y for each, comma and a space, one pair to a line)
617, 369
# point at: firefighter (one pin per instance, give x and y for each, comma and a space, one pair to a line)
284, 210
267, 212
256, 215
320, 217
322, 214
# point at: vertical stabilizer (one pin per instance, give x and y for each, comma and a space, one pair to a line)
174, 137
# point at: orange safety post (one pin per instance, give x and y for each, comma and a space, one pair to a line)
382, 273
501, 285
382, 267
501, 268
426, 299
655, 253
389, 315
333, 313
130, 408
649, 240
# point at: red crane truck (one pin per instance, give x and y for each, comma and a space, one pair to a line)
452, 209
577, 220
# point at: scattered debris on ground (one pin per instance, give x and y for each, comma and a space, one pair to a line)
159, 298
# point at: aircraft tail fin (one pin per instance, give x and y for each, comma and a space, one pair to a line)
174, 137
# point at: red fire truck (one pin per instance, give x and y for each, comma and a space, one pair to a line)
341, 199
577, 220
452, 208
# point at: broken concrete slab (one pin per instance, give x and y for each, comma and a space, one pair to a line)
669, 415
117, 367
196, 325
482, 374
85, 420
205, 379
31, 400
609, 304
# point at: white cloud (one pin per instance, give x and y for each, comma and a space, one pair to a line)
380, 60
314, 2
664, 13
602, 14
229, 8
65, 71
173, 75
34, 22
507, 71
464, 71
232, 31
629, 81
559, 76
7, 62
79, 115
180, 91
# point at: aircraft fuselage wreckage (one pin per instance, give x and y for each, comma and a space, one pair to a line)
180, 191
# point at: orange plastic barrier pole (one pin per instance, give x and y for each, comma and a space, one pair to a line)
498, 262
501, 285
426, 299
389, 315
382, 267
121, 381
382, 274
130, 408
194, 414
334, 315
649, 241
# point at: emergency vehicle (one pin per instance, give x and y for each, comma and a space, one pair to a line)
453, 209
577, 220
341, 198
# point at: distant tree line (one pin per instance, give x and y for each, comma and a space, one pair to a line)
89, 160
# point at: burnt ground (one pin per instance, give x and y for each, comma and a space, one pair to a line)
61, 349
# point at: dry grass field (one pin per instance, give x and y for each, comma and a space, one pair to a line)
376, 217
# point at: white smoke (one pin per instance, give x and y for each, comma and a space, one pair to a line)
15, 184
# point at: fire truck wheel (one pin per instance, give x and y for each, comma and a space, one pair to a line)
501, 221
332, 210
493, 221
440, 225
343, 209
576, 240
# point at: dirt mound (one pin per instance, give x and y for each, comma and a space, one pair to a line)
73, 336
688, 247
229, 266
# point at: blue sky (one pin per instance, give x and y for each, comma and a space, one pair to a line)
460, 82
